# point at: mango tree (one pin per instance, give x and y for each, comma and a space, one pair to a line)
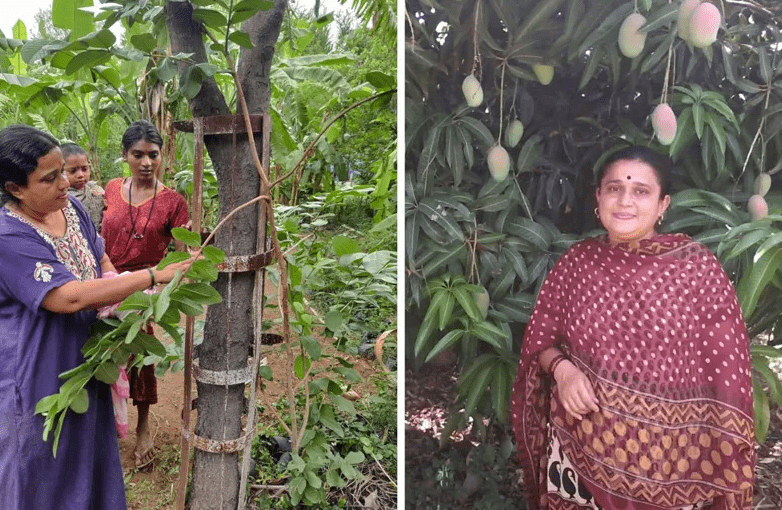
487, 213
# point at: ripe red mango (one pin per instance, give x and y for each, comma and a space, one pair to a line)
704, 25
758, 207
664, 123
499, 162
631, 41
685, 15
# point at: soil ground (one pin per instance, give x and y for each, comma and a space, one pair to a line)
436, 478
155, 487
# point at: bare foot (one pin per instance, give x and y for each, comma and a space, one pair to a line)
144, 452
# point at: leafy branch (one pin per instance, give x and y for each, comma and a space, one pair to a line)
114, 341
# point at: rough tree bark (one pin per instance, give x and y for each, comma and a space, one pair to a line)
229, 325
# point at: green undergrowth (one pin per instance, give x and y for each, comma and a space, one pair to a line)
338, 450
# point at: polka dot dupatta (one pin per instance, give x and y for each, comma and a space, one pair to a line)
657, 329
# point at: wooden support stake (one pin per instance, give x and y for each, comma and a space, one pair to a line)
197, 208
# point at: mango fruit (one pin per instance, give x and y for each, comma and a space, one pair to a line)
472, 90
762, 184
685, 15
544, 73
664, 123
758, 207
482, 300
631, 41
499, 162
704, 24
514, 133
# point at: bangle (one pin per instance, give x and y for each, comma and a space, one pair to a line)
152, 276
559, 358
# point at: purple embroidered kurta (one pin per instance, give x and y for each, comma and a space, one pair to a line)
35, 347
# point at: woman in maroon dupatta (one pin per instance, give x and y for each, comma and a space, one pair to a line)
639, 339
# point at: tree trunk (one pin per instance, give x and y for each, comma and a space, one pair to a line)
229, 325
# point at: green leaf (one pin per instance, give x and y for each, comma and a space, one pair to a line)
266, 372
241, 39
311, 346
445, 342
333, 320
345, 246
246, 9
754, 281
327, 419
201, 293
354, 458
151, 344
765, 350
210, 18
88, 58
172, 258
107, 372
490, 334
477, 387
144, 42
762, 412
343, 404
80, 402
202, 270
663, 16
380, 80
301, 366
192, 239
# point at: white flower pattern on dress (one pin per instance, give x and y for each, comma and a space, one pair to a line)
43, 272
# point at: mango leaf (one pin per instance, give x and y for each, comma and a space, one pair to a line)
445, 342
762, 412
754, 281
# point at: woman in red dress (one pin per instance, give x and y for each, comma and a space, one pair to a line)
634, 389
140, 213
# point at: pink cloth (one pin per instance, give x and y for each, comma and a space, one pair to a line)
120, 391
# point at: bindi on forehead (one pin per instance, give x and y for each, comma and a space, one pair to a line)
629, 177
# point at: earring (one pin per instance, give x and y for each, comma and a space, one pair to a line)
660, 220
597, 214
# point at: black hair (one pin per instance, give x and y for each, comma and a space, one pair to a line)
72, 149
141, 130
660, 163
20, 148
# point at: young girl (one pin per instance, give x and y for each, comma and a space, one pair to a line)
77, 170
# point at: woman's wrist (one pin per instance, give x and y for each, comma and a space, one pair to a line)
555, 362
151, 276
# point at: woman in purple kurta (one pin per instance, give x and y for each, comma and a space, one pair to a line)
51, 260
36, 346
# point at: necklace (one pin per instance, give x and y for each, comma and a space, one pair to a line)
136, 235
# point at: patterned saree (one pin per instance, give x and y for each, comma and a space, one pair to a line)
657, 329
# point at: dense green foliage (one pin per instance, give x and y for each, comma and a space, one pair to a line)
466, 232
86, 76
